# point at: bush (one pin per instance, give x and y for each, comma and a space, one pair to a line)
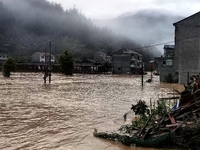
8, 66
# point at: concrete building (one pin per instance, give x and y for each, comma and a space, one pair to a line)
126, 61
187, 47
169, 50
165, 65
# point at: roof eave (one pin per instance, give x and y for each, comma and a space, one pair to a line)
174, 24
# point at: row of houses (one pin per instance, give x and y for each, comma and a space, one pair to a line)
123, 61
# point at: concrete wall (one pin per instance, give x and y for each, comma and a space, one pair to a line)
35, 58
165, 70
121, 63
187, 47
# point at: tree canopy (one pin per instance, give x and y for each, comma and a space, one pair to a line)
66, 63
8, 66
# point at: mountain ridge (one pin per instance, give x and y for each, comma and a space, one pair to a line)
147, 27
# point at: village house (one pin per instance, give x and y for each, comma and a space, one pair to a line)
187, 47
126, 61
3, 57
164, 65
39, 57
84, 66
101, 63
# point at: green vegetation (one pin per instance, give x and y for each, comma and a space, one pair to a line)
145, 112
8, 66
66, 62
142, 110
137, 132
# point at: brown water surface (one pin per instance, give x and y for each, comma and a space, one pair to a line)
62, 115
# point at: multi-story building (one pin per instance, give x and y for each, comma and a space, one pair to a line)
164, 65
169, 50
187, 47
126, 61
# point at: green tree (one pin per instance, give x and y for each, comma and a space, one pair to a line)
8, 66
66, 63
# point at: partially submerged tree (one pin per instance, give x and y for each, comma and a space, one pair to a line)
8, 66
66, 63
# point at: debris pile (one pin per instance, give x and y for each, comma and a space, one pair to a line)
178, 127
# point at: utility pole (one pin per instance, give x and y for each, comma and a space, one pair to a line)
49, 61
142, 72
45, 66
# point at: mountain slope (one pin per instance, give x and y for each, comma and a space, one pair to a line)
147, 27
28, 25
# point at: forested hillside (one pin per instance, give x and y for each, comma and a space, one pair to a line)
27, 26
147, 27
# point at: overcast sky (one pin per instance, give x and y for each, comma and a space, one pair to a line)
106, 9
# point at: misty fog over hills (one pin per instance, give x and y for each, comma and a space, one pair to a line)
27, 26
147, 27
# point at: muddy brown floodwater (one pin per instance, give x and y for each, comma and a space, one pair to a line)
62, 115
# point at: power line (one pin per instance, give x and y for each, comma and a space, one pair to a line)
154, 45
167, 42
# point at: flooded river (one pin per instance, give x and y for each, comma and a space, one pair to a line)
62, 115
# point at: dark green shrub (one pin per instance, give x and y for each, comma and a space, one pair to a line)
66, 63
8, 66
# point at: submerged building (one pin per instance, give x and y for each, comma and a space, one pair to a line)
165, 65
126, 61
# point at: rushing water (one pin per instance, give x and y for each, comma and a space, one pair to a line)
62, 115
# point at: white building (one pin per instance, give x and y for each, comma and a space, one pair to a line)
40, 57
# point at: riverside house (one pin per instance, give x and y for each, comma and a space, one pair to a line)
40, 57
126, 61
187, 47
164, 65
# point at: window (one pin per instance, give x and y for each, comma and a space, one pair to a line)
167, 62
164, 62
